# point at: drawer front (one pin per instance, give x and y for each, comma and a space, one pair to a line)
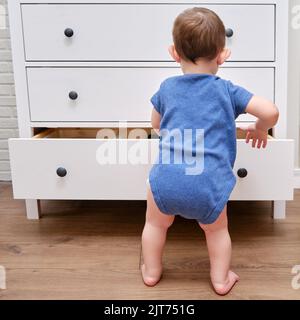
136, 32
117, 93
269, 175
34, 163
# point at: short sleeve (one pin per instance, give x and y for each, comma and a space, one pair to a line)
240, 98
156, 101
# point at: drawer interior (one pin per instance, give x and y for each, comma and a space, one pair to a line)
96, 133
241, 134
108, 133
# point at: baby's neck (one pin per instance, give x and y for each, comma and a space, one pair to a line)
205, 67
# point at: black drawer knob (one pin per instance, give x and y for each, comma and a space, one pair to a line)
242, 173
229, 32
69, 32
61, 172
73, 95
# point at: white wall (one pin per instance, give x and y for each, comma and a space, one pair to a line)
294, 76
8, 114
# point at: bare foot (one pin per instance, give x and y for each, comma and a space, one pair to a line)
150, 279
224, 288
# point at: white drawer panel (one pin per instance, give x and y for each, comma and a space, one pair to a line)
270, 171
104, 94
136, 32
34, 163
116, 93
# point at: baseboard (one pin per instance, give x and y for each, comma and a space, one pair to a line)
5, 176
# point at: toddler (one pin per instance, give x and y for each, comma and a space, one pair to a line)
195, 114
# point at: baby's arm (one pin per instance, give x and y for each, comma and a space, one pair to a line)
155, 120
267, 114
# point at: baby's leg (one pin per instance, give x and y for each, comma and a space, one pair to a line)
153, 240
219, 249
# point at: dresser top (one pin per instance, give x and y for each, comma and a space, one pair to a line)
155, 1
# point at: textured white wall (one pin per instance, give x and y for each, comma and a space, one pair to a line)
294, 76
8, 121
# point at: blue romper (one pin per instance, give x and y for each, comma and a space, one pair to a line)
193, 176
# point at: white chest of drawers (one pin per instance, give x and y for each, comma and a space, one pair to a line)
80, 66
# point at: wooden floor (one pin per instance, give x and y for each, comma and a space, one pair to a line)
91, 250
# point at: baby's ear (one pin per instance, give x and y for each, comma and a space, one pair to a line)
173, 53
223, 56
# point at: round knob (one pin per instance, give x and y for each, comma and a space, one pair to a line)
229, 32
73, 95
242, 173
61, 172
69, 32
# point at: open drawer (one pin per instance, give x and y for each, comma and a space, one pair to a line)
63, 164
70, 163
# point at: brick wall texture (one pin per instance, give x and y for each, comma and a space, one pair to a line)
8, 113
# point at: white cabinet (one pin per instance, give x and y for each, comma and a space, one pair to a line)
80, 66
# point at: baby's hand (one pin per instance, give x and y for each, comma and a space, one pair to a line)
258, 136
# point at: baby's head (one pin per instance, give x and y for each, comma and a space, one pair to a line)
199, 36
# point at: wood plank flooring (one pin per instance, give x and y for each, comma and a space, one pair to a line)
91, 250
